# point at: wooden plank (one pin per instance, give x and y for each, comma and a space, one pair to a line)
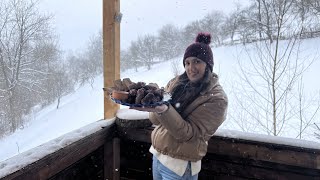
53, 163
248, 168
135, 134
136, 123
283, 154
112, 159
136, 160
116, 158
89, 168
111, 52
108, 158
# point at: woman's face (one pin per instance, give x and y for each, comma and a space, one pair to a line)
195, 68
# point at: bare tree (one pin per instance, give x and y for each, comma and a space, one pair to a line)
62, 83
307, 16
232, 23
314, 5
267, 10
146, 50
175, 66
260, 16
169, 42
46, 56
73, 67
84, 66
247, 28
21, 27
128, 61
317, 133
134, 53
91, 61
307, 109
189, 33
94, 53
268, 79
213, 23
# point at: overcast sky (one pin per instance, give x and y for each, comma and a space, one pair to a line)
77, 20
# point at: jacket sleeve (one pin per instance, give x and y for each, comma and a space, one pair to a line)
153, 118
202, 122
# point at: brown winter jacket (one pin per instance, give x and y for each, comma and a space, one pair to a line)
188, 138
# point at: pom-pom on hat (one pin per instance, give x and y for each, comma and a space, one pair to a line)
200, 49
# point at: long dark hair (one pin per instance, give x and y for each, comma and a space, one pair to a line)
185, 92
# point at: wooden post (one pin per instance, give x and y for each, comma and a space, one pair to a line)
111, 51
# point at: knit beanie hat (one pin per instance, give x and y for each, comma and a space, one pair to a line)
200, 49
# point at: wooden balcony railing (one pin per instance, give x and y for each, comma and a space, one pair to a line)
121, 151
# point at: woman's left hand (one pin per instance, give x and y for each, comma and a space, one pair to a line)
158, 109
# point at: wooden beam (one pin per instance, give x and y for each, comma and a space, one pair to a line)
111, 52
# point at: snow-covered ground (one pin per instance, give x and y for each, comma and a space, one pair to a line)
85, 106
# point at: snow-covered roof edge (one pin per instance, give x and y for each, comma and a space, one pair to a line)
22, 160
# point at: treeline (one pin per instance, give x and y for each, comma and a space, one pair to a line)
256, 22
35, 73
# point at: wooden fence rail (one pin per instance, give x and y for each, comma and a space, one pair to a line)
120, 151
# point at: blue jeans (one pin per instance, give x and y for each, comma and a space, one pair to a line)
160, 172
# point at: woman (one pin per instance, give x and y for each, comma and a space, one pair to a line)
184, 126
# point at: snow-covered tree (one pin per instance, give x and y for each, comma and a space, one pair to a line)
213, 23
146, 50
169, 42
22, 30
